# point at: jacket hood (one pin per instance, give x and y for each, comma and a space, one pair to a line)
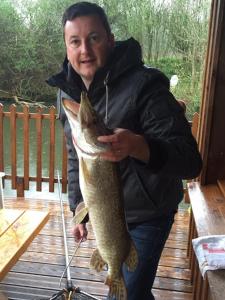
125, 56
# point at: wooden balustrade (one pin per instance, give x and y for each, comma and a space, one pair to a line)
21, 183
26, 116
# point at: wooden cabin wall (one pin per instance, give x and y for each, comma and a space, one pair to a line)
216, 160
212, 115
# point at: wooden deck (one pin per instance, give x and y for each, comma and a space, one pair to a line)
37, 274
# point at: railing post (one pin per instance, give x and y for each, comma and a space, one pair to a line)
13, 144
1, 139
1, 191
39, 128
19, 186
26, 145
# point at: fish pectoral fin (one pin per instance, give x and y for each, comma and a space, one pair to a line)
97, 261
117, 288
80, 215
132, 258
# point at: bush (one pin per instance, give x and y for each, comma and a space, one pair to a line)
187, 88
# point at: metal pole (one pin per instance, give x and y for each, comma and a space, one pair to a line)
69, 281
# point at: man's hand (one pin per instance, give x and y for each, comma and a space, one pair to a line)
80, 232
125, 143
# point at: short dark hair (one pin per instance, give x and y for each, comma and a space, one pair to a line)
85, 9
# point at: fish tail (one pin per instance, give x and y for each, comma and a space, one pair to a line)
132, 258
117, 288
97, 261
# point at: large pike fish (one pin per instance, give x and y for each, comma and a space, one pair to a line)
103, 197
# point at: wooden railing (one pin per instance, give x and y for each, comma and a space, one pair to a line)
22, 182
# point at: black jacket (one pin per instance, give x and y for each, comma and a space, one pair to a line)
139, 100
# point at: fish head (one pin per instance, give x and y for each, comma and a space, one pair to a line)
86, 126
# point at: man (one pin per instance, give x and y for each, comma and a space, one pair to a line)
152, 140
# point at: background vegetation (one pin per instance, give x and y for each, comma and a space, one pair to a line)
173, 35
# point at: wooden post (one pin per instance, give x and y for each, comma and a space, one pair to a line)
26, 146
13, 144
19, 186
1, 191
1, 140
190, 233
39, 148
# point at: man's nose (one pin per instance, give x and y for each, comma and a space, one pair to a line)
85, 46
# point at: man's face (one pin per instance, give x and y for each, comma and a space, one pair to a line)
87, 45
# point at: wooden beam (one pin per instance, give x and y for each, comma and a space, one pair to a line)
212, 121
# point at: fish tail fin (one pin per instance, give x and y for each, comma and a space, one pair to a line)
97, 261
117, 288
132, 258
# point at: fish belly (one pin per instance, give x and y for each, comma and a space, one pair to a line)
102, 195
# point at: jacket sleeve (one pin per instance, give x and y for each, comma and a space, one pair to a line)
74, 193
173, 149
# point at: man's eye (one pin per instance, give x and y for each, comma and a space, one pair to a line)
75, 43
94, 38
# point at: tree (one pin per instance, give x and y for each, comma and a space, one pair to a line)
11, 41
32, 46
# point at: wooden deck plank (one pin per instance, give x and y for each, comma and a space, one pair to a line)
55, 270
92, 244
85, 253
55, 230
95, 288
81, 261
52, 283
173, 272
172, 284
171, 295
179, 253
25, 293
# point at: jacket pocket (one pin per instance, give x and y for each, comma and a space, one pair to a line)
145, 199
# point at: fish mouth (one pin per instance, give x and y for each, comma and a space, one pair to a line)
89, 154
72, 107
